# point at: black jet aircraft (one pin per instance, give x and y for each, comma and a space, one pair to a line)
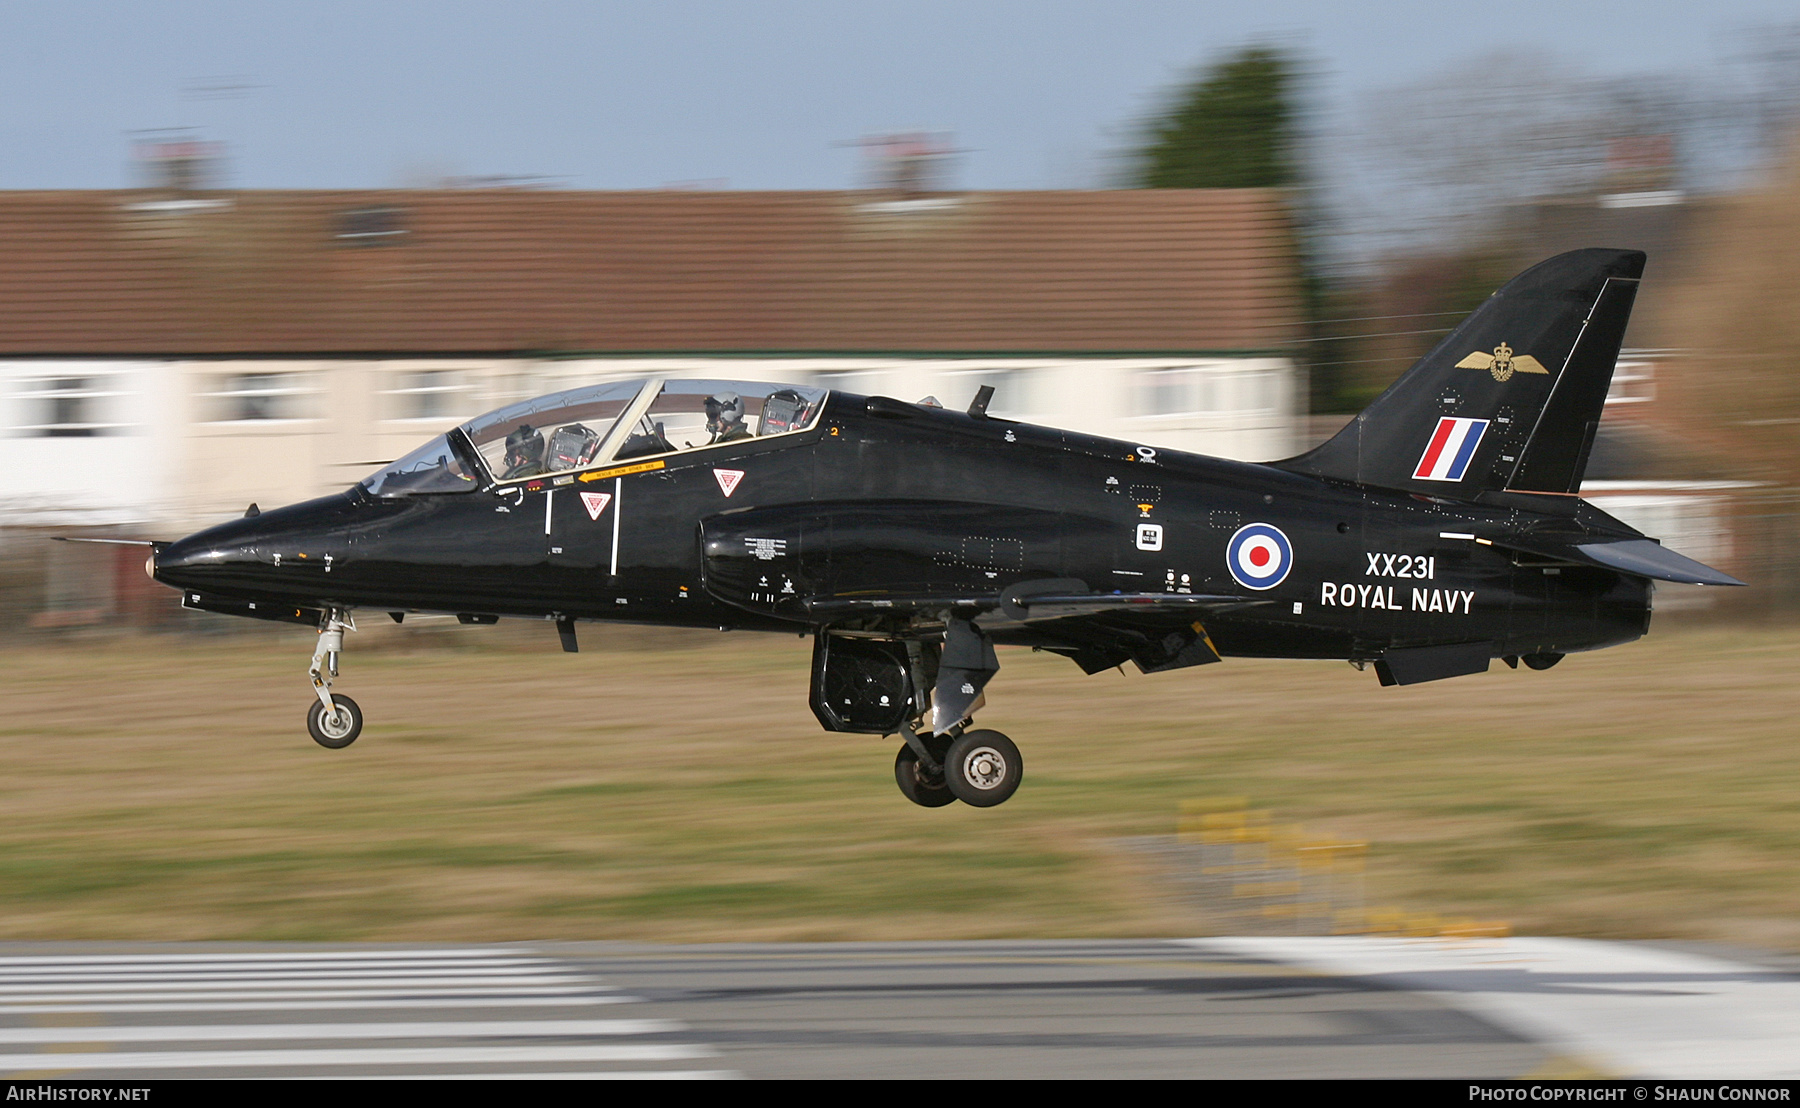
1441, 529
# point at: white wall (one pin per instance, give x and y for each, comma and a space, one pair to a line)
190, 443
86, 442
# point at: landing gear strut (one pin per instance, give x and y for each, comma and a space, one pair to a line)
334, 721
941, 761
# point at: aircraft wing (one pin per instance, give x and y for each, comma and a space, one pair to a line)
1032, 608
842, 563
1156, 631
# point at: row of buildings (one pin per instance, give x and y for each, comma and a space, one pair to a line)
167, 358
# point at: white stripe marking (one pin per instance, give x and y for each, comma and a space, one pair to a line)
297, 995
618, 510
312, 985
488, 955
1638, 1010
235, 973
283, 1002
435, 1029
373, 1056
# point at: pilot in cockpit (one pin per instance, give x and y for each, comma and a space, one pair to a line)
725, 418
524, 452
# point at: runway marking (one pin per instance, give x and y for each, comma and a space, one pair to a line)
358, 1056
274, 1002
87, 985
477, 956
72, 992
155, 973
437, 1029
573, 993
1628, 1008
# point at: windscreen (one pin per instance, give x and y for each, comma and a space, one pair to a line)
432, 468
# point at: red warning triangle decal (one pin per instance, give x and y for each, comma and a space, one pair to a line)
596, 502
728, 480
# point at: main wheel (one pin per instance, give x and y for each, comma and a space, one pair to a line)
340, 728
983, 768
918, 786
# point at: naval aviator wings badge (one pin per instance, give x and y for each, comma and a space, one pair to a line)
1502, 363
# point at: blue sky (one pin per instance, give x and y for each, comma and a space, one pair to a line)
750, 94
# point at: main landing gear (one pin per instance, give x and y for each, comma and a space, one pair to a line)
982, 768
333, 721
943, 761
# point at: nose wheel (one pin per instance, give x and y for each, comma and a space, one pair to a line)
336, 729
333, 721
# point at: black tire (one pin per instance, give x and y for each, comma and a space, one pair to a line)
341, 730
983, 768
915, 785
1541, 661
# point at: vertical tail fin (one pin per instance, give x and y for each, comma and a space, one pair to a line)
1509, 400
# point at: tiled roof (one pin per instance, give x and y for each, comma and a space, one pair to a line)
517, 271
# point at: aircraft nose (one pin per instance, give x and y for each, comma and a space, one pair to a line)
245, 556
197, 559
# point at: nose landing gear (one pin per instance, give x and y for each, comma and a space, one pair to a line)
335, 729
334, 721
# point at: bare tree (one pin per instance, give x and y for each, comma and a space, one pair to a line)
1434, 165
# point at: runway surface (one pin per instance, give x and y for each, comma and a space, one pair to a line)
1342, 1007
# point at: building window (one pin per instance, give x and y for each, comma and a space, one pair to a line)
1208, 390
1258, 392
66, 407
431, 394
261, 397
1178, 390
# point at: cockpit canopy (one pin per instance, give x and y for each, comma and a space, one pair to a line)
597, 425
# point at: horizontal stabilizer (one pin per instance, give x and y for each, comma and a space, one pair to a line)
1638, 557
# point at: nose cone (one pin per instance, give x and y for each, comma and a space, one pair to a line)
286, 553
209, 558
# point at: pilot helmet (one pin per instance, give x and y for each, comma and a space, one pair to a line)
724, 410
524, 445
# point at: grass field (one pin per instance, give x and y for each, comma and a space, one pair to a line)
667, 785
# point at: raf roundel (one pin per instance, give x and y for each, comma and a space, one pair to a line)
1259, 556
